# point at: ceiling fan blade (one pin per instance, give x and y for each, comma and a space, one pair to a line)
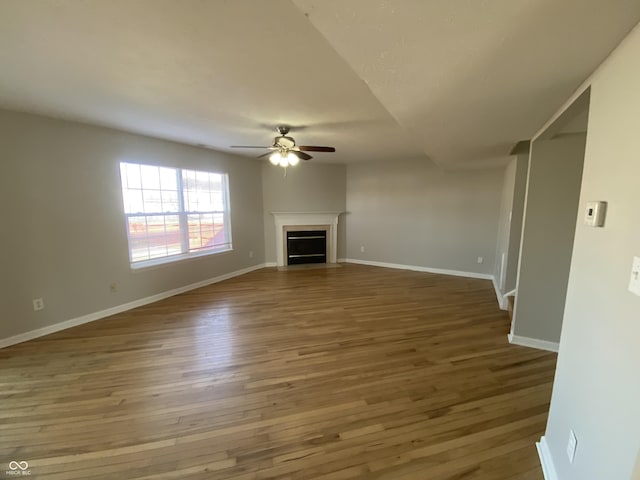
311, 148
264, 155
301, 155
247, 146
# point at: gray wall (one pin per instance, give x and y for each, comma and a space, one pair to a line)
551, 210
504, 224
517, 216
510, 225
596, 390
309, 187
412, 213
63, 233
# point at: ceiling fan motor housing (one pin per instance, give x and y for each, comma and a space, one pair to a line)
284, 142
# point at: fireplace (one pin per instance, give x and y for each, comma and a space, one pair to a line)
306, 246
324, 222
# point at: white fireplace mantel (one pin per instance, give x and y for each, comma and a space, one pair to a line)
301, 219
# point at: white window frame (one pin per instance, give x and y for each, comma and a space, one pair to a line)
182, 215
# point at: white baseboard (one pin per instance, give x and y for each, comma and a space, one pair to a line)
457, 273
548, 469
502, 300
40, 332
510, 293
533, 343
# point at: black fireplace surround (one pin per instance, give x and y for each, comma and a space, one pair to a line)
306, 246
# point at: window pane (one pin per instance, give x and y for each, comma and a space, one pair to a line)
206, 231
154, 236
195, 231
217, 201
220, 237
172, 234
170, 202
188, 179
138, 243
188, 185
163, 235
152, 201
150, 177
132, 173
202, 191
216, 181
168, 180
133, 201
202, 178
131, 193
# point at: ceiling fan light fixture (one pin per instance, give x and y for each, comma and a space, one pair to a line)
293, 159
284, 159
275, 158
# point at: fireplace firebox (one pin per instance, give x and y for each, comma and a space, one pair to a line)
306, 246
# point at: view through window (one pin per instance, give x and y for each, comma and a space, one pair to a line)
173, 213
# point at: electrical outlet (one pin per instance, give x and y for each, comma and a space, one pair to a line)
571, 446
480, 259
38, 304
361, 248
250, 253
113, 288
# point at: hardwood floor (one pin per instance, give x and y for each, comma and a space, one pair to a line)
339, 373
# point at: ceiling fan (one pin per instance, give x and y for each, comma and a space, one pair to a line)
285, 152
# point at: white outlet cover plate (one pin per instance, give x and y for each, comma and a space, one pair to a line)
634, 282
594, 214
571, 446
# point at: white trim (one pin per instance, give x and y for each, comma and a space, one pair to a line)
503, 269
510, 293
270, 264
546, 461
23, 337
533, 343
180, 257
342, 260
502, 300
457, 273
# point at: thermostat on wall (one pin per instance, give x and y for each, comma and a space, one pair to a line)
594, 216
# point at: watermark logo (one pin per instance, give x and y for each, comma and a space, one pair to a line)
18, 468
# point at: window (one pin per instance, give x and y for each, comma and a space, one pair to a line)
173, 213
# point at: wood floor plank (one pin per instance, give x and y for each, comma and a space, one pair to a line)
343, 373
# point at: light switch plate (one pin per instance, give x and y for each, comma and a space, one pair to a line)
634, 282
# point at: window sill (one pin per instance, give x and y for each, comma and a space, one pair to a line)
160, 262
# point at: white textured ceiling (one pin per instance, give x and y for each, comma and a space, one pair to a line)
457, 81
